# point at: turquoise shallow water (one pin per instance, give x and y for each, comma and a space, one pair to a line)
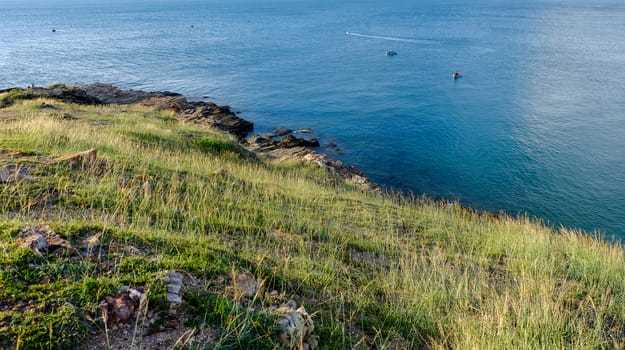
536, 125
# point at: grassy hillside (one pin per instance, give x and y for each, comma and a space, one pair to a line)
374, 270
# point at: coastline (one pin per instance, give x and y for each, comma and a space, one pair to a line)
281, 147
165, 237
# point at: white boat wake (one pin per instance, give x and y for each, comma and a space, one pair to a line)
393, 38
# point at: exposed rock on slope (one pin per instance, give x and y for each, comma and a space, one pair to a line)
65, 93
13, 172
269, 148
204, 113
295, 327
292, 141
42, 239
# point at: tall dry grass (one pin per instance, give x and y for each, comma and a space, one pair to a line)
377, 269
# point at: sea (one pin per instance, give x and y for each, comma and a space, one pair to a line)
535, 126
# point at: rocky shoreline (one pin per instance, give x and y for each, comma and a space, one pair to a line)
280, 145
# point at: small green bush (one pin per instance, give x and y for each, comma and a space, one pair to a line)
211, 145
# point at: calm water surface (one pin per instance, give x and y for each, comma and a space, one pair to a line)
536, 125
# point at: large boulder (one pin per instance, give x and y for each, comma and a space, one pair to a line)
291, 141
264, 143
219, 117
257, 143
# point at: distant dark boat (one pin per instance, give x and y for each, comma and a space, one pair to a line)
457, 74
391, 53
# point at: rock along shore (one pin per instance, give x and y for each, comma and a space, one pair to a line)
211, 115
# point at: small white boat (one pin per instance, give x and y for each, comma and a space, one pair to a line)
391, 53
457, 74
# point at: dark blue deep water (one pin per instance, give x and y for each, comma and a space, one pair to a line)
536, 125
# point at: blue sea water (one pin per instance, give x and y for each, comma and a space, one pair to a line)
536, 125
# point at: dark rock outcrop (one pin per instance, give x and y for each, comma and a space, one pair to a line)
110, 94
260, 143
290, 141
219, 117
2, 91
336, 167
264, 143
204, 113
176, 104
70, 94
269, 148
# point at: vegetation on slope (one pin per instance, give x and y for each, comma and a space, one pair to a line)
375, 270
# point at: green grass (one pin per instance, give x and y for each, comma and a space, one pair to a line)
375, 269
